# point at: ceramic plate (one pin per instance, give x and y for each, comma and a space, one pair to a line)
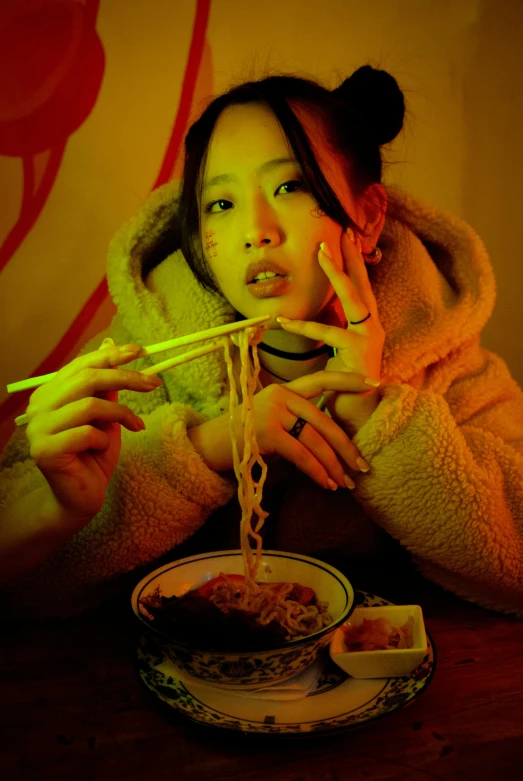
336, 702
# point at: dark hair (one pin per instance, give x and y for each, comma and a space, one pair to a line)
360, 115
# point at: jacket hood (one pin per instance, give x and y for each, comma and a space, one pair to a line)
169, 302
434, 286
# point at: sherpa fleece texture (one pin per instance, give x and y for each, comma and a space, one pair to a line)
445, 443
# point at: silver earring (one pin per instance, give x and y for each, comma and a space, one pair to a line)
373, 257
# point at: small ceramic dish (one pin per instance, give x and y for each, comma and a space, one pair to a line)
384, 663
250, 669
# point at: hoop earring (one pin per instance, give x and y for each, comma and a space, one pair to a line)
373, 257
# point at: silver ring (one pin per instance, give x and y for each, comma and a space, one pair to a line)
297, 428
358, 322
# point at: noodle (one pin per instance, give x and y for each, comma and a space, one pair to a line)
249, 491
269, 602
271, 605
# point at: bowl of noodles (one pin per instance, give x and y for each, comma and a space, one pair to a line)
217, 624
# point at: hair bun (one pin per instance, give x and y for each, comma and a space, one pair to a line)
376, 94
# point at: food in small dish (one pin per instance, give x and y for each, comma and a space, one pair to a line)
380, 642
378, 634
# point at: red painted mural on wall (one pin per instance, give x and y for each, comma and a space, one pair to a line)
51, 70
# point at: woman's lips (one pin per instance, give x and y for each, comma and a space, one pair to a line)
267, 288
262, 267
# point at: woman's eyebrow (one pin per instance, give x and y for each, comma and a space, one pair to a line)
263, 169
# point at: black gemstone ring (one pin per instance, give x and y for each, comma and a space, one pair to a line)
297, 428
357, 322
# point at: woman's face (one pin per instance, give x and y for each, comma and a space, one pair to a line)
260, 228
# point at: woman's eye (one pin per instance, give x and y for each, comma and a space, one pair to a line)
291, 186
210, 206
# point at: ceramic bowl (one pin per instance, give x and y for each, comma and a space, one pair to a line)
381, 664
252, 669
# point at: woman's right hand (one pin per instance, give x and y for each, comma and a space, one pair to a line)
74, 427
323, 450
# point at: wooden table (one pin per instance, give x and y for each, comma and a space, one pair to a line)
73, 708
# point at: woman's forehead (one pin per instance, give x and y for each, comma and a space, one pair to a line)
252, 131
244, 131
248, 135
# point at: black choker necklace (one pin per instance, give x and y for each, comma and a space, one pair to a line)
296, 356
273, 374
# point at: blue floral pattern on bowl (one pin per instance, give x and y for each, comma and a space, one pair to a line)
247, 669
252, 669
336, 703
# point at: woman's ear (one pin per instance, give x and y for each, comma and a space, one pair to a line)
373, 206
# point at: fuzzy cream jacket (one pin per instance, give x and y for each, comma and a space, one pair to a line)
445, 443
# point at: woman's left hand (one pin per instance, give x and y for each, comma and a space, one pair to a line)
357, 338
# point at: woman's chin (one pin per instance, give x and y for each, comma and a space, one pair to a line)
284, 306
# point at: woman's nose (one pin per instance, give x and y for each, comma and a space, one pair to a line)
259, 238
261, 228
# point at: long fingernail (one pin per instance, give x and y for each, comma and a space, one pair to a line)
107, 342
153, 382
129, 351
362, 464
283, 320
349, 482
127, 354
332, 485
372, 383
326, 250
130, 348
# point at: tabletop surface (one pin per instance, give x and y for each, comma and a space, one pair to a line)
73, 707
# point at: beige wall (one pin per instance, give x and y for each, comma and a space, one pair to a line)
492, 171
459, 63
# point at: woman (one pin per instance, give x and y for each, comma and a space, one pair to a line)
280, 213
